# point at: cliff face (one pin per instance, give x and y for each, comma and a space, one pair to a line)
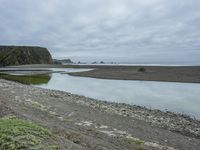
21, 55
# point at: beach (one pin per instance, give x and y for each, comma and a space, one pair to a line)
91, 124
189, 74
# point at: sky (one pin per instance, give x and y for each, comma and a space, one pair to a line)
128, 31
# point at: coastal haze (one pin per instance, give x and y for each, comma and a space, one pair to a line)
100, 74
123, 31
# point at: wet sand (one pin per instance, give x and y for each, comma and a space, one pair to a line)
190, 74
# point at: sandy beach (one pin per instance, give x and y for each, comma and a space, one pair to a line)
190, 74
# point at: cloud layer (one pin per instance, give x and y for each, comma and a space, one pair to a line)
147, 31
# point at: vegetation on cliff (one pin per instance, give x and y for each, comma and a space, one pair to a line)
20, 55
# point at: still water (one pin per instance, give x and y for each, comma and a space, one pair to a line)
171, 96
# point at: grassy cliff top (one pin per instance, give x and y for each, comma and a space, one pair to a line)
21, 55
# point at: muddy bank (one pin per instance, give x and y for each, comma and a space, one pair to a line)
189, 74
91, 124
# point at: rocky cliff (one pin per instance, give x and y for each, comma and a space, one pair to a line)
20, 55
62, 61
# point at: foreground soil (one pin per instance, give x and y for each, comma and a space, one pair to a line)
83, 123
148, 73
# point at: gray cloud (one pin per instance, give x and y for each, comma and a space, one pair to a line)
148, 31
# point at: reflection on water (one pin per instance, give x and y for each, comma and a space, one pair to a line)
177, 97
27, 79
172, 96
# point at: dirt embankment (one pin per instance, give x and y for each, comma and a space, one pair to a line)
83, 123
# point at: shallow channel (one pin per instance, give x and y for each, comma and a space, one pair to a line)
171, 96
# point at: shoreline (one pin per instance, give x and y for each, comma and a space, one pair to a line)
38, 72
155, 117
83, 115
183, 74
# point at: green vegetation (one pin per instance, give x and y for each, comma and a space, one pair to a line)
26, 79
141, 148
17, 134
137, 143
134, 141
20, 55
141, 70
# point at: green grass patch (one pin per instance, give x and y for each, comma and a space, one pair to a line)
17, 134
27, 79
134, 141
140, 148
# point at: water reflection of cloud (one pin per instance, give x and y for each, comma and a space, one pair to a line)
179, 97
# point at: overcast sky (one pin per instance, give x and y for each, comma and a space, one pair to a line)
135, 31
